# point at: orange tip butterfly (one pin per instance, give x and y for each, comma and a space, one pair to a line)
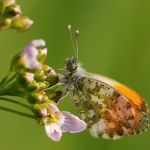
110, 109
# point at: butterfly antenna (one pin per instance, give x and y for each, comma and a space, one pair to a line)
71, 38
77, 48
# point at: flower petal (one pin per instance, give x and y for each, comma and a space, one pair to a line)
53, 108
37, 43
72, 123
29, 56
53, 131
44, 51
43, 112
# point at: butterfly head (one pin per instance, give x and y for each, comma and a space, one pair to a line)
71, 65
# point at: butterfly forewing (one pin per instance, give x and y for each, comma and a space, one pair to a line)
108, 112
122, 89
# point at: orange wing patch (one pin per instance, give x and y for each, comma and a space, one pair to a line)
131, 95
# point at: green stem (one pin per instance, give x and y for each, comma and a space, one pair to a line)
8, 90
5, 91
2, 8
12, 89
5, 78
13, 77
18, 112
16, 102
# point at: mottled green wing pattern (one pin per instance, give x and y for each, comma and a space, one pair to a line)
107, 113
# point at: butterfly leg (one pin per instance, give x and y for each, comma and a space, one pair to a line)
59, 94
55, 86
63, 96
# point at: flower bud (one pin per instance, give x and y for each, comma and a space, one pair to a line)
5, 24
12, 11
8, 2
38, 97
37, 86
46, 74
51, 77
40, 76
29, 77
21, 23
42, 55
25, 79
48, 69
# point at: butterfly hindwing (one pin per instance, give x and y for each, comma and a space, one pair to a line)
107, 112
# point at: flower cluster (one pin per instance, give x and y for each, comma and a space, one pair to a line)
11, 16
29, 77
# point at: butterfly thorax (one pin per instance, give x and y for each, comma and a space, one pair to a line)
73, 73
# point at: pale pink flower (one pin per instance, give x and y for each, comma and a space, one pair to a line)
29, 55
56, 122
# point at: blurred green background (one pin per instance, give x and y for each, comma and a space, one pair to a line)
114, 41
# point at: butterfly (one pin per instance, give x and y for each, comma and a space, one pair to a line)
110, 109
